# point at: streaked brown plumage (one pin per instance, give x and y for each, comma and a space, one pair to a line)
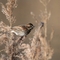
23, 30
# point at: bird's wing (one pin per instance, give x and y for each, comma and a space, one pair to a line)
19, 30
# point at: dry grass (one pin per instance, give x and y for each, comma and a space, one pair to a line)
38, 49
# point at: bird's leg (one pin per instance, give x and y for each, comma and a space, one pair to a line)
21, 38
24, 38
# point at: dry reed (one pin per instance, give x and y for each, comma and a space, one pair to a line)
38, 49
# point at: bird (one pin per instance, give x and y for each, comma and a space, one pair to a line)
23, 30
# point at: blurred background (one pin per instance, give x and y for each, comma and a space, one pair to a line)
23, 16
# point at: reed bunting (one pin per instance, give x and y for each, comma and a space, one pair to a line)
22, 31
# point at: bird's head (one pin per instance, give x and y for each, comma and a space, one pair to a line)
30, 26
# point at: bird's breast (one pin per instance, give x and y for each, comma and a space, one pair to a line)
20, 33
